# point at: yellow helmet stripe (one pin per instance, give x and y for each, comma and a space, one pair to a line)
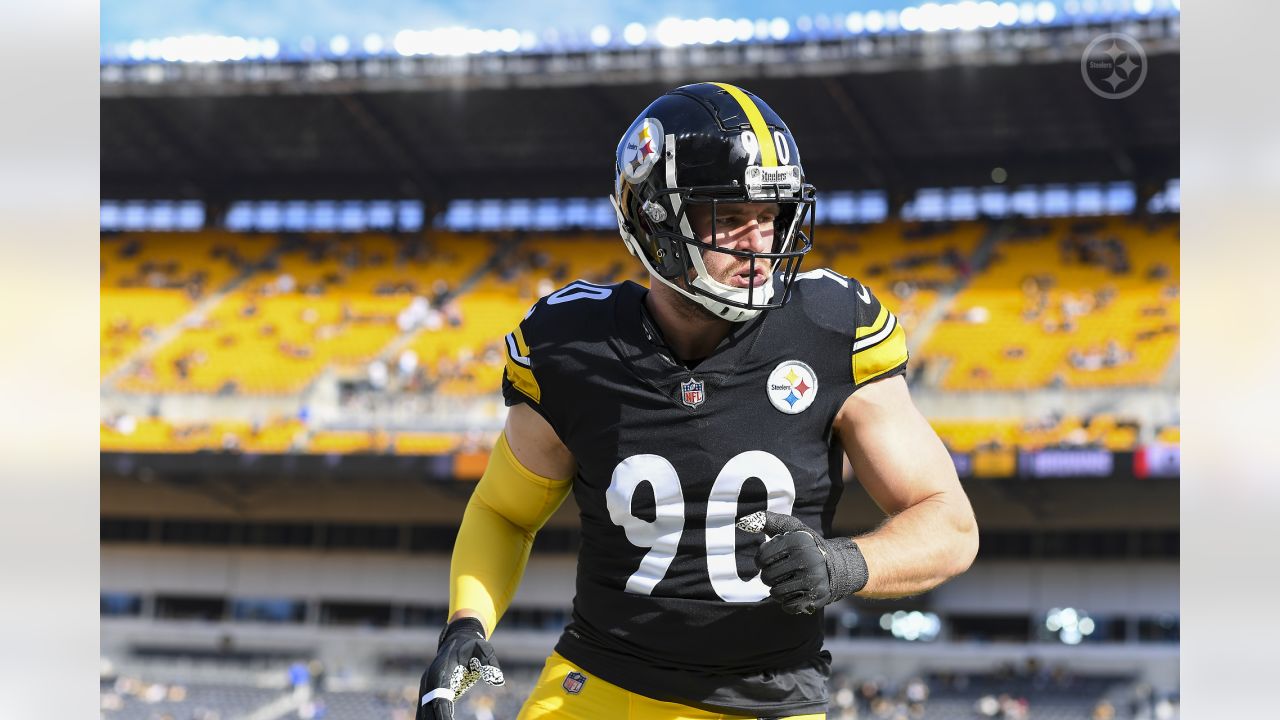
768, 155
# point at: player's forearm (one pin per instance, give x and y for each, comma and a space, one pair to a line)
489, 558
920, 547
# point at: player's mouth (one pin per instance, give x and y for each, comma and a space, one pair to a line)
746, 278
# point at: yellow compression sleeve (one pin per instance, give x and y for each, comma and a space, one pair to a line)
509, 505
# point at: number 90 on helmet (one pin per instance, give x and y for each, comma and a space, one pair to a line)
711, 144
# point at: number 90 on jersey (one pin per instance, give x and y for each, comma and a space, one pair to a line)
661, 536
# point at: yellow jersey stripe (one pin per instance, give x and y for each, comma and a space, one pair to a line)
880, 358
768, 155
518, 370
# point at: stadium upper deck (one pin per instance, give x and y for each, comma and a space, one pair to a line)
988, 305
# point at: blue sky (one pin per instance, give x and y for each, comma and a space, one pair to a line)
291, 20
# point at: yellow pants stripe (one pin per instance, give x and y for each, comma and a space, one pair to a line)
599, 700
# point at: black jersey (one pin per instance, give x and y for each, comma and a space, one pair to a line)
669, 603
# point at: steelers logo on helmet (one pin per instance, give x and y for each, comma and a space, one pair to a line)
792, 386
642, 149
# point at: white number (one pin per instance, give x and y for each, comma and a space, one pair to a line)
578, 290
751, 144
820, 273
784, 150
722, 512
662, 534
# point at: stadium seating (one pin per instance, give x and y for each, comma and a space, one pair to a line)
1071, 303
904, 264
278, 436
1105, 431
132, 699
318, 301
148, 281
295, 306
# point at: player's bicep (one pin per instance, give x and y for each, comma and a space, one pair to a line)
895, 453
535, 445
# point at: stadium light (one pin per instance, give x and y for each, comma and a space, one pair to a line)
779, 28
875, 21
1142, 7
854, 23
339, 45
372, 44
1008, 14
911, 626
745, 29
634, 33
988, 14
600, 35
705, 32
405, 42
1046, 12
910, 19
970, 15
726, 30
668, 32
1070, 624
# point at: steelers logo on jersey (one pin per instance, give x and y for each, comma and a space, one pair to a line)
792, 386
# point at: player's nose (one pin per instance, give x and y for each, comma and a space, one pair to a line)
751, 236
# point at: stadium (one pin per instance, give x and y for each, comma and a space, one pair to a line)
311, 255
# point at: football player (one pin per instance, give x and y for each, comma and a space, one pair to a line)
701, 424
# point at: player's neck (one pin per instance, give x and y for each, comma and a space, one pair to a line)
690, 332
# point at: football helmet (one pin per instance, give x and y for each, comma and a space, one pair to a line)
711, 144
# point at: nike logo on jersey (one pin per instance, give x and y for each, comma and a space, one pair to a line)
862, 293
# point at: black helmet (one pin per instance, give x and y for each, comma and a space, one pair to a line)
711, 143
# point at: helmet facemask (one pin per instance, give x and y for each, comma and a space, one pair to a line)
681, 252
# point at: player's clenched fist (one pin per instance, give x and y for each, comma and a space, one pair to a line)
803, 570
464, 656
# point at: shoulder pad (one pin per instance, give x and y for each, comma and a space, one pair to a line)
878, 344
563, 316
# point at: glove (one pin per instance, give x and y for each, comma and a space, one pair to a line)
463, 657
803, 570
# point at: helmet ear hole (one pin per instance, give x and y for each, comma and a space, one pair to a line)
670, 257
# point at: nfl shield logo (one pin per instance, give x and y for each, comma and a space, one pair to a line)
691, 392
573, 682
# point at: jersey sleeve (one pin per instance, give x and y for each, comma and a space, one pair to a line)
519, 379
879, 343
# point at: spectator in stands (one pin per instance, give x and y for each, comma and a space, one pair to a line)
415, 315
378, 375
407, 365
1114, 355
916, 694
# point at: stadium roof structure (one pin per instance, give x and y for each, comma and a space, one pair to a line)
896, 112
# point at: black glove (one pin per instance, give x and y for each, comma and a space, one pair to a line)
803, 570
463, 657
